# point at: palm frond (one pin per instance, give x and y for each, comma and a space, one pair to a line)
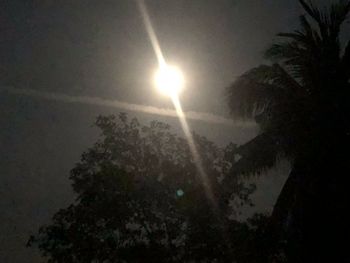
306, 36
301, 59
317, 15
246, 97
328, 22
277, 76
312, 51
277, 96
285, 50
309, 31
296, 36
305, 25
345, 61
258, 155
338, 14
311, 10
260, 88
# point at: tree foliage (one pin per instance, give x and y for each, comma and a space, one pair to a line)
140, 199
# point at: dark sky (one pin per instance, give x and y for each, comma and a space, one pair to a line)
100, 48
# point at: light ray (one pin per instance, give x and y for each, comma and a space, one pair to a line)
182, 118
196, 156
150, 31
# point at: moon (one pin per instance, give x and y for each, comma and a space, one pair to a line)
169, 80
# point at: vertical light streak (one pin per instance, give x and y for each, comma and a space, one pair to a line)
175, 99
196, 156
150, 31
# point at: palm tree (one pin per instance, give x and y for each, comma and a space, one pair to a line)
301, 103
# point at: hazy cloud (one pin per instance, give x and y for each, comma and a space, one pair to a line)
192, 115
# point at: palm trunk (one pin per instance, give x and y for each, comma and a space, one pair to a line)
281, 233
309, 221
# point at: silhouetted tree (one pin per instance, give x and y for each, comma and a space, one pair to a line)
140, 199
301, 103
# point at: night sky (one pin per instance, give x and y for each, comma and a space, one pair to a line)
100, 48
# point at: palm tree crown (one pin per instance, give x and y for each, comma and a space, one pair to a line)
305, 90
301, 103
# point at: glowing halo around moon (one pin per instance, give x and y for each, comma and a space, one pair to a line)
169, 80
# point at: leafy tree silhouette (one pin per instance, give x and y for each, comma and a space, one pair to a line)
139, 199
301, 103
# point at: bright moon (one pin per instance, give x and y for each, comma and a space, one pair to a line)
169, 80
